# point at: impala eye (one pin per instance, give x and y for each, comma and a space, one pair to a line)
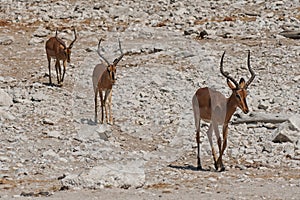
238, 96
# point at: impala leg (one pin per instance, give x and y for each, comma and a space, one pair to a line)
96, 106
225, 134
107, 92
197, 124
110, 105
49, 67
57, 69
209, 135
102, 105
64, 70
219, 140
199, 166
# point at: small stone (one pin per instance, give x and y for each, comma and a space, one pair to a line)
211, 179
38, 97
267, 147
41, 32
241, 167
6, 40
48, 121
35, 40
296, 78
4, 159
5, 99
202, 34
295, 122
280, 138
50, 153
263, 106
6, 115
191, 31
54, 134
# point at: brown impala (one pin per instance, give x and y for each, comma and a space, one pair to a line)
57, 49
104, 77
212, 106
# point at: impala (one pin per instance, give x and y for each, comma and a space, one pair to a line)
57, 49
212, 106
104, 77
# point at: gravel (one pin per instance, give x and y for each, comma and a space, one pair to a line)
51, 147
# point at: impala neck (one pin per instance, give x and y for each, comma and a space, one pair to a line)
106, 81
232, 104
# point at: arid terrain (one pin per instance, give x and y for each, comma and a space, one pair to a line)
50, 147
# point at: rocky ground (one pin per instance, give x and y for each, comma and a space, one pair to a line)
51, 148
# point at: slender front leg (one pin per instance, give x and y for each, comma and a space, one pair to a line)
49, 67
109, 106
96, 106
64, 70
219, 140
102, 105
209, 135
199, 166
196, 111
106, 95
225, 134
57, 69
105, 105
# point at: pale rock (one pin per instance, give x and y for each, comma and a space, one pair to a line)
6, 115
289, 148
295, 122
211, 179
41, 32
39, 96
5, 99
6, 40
50, 153
54, 134
5, 159
35, 41
268, 147
92, 132
296, 79
123, 174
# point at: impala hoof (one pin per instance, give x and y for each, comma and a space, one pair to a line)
199, 168
219, 165
216, 166
222, 169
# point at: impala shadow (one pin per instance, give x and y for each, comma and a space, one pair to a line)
188, 167
88, 121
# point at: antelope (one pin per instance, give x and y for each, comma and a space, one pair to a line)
104, 77
212, 106
57, 49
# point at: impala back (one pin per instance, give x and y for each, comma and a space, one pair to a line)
54, 49
97, 73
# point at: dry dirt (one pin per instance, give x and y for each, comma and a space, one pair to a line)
154, 52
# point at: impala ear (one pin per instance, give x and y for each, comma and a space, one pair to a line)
242, 83
230, 84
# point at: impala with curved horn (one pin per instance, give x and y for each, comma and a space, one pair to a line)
212, 106
57, 49
104, 77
